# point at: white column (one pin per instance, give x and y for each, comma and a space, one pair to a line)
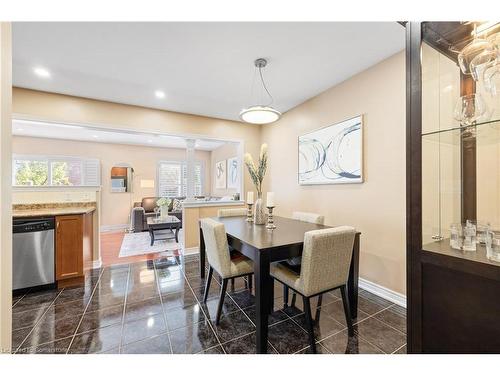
5, 187
190, 157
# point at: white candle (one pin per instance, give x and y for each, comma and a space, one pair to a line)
250, 197
270, 199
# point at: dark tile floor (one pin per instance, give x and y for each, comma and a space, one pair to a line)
155, 307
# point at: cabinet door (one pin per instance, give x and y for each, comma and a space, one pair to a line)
69, 246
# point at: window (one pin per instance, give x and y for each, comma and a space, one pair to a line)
55, 171
172, 179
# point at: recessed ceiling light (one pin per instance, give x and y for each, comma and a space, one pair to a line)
159, 94
95, 136
41, 72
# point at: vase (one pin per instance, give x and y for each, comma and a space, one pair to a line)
163, 211
259, 216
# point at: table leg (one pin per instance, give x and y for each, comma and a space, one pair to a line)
202, 255
352, 281
176, 234
152, 235
262, 299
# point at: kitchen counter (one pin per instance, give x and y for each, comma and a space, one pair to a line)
56, 209
202, 203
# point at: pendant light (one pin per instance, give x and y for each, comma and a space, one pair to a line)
262, 113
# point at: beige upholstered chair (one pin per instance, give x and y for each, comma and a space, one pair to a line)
225, 212
219, 259
294, 263
308, 217
233, 212
326, 258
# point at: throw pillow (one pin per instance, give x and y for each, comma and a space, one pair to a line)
177, 205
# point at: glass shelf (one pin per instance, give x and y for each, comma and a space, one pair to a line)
487, 132
443, 247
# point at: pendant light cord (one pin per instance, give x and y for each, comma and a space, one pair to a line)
265, 87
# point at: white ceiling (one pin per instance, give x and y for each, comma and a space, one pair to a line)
93, 134
204, 68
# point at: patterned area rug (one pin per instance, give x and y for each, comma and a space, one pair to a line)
139, 244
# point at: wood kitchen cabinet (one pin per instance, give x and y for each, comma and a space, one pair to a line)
74, 238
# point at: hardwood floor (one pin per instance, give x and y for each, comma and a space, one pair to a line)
110, 248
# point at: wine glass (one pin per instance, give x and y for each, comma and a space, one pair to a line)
471, 109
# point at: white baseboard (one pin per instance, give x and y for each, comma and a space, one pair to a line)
97, 263
114, 227
381, 291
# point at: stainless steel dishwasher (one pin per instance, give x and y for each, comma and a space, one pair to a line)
33, 252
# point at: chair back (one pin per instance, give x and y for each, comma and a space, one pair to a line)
216, 248
226, 212
326, 258
308, 217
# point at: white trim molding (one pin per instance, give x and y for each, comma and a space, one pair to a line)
381, 291
114, 227
191, 250
97, 263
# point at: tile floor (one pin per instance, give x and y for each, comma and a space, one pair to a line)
155, 306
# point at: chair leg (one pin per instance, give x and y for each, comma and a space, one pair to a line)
294, 297
285, 295
232, 285
207, 285
245, 279
318, 309
309, 323
347, 310
221, 301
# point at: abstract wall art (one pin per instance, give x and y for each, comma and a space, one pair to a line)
333, 154
232, 173
220, 174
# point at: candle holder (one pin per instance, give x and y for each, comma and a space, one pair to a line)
270, 221
249, 213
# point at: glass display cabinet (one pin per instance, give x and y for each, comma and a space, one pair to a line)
453, 186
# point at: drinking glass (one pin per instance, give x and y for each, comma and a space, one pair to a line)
493, 246
470, 51
463, 236
471, 109
482, 228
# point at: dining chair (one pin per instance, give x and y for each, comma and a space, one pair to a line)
294, 263
326, 258
233, 212
225, 212
219, 259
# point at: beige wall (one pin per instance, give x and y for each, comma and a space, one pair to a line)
5, 188
54, 107
116, 207
375, 207
224, 152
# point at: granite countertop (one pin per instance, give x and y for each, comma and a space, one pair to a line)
52, 209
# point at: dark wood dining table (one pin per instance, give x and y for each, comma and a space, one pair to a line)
265, 246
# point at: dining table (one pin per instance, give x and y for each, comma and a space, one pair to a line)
265, 246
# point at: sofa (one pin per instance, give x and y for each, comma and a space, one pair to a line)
145, 208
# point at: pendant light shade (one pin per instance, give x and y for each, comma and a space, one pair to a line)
258, 114
262, 113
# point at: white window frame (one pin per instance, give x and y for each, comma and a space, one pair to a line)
51, 159
201, 163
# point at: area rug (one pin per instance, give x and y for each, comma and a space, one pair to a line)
139, 244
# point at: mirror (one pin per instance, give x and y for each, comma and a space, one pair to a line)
121, 179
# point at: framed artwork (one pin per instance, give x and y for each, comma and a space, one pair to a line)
233, 173
333, 154
220, 174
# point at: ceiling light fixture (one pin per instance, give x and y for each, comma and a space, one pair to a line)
159, 94
261, 113
41, 72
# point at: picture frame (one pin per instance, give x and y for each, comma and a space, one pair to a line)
332, 154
